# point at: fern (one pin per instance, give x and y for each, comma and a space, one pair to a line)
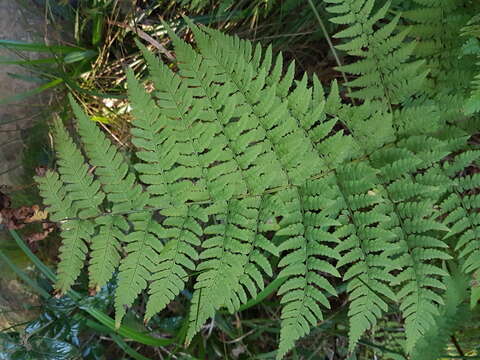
238, 163
451, 315
384, 72
121, 191
460, 209
78, 200
471, 47
437, 24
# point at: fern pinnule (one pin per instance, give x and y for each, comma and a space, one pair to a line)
143, 247
112, 170
80, 183
75, 233
258, 253
55, 197
179, 255
180, 229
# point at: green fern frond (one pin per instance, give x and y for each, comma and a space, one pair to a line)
270, 117
472, 47
121, 190
385, 72
365, 244
83, 197
452, 315
436, 25
237, 163
461, 209
310, 252
411, 204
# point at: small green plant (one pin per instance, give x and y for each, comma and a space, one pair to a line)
238, 164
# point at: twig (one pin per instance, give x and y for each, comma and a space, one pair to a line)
327, 37
330, 44
146, 37
111, 134
457, 345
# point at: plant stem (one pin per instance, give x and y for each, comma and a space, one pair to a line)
457, 345
329, 41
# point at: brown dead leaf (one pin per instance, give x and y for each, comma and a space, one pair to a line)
41, 170
4, 201
38, 215
37, 236
17, 218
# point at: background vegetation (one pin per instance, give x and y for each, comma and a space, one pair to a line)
97, 44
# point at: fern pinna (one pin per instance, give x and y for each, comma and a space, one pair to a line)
238, 164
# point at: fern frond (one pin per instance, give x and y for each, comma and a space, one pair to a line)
223, 259
121, 190
436, 25
461, 209
238, 162
452, 315
264, 108
84, 198
310, 257
472, 47
366, 239
411, 199
385, 72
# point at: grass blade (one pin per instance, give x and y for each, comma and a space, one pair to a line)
101, 317
22, 275
273, 286
28, 62
37, 47
26, 94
